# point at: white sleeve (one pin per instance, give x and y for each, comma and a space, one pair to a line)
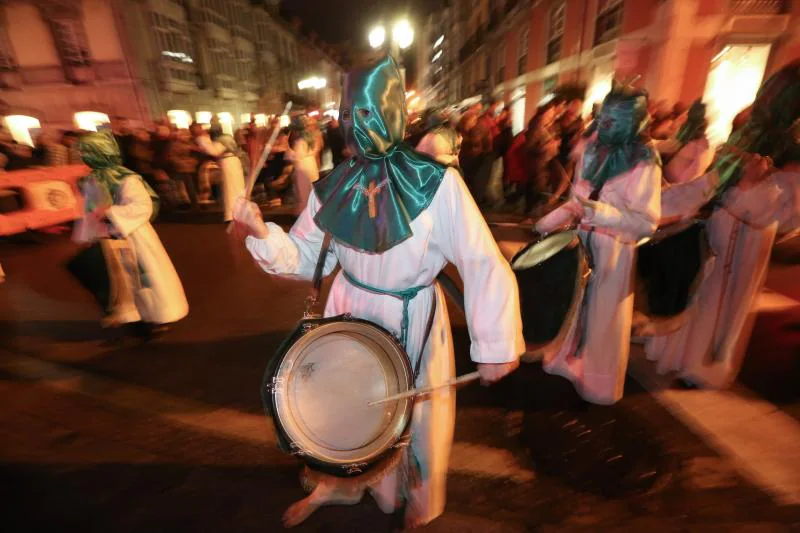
640, 211
684, 200
133, 208
293, 254
491, 296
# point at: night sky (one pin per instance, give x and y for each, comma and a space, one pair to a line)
342, 20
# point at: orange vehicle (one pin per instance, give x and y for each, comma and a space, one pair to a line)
38, 198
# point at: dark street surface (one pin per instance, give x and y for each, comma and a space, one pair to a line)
102, 432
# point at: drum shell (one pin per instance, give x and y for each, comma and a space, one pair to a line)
551, 290
268, 396
669, 267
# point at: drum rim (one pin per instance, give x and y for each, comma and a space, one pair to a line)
384, 442
568, 243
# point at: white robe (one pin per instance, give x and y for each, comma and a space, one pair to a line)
158, 295
690, 162
741, 235
452, 230
628, 210
232, 173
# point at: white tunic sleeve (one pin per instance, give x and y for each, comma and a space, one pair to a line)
640, 210
491, 296
683, 200
133, 207
293, 255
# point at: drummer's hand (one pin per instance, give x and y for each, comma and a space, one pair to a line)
494, 372
248, 216
575, 206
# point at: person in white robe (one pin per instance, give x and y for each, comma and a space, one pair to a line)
391, 239
687, 156
708, 350
305, 171
224, 149
615, 203
147, 287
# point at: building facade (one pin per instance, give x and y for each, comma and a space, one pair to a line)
76, 63
679, 50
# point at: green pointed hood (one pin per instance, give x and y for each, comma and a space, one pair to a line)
401, 181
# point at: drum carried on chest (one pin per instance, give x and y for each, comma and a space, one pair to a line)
318, 386
552, 273
669, 268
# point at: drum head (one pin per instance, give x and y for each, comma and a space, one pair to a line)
325, 382
540, 251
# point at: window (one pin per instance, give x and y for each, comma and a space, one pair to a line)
556, 32
71, 42
177, 50
609, 20
501, 63
522, 51
222, 61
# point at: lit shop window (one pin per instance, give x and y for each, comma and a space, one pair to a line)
20, 126
284, 121
90, 120
261, 120
203, 117
244, 118
182, 119
226, 121
733, 81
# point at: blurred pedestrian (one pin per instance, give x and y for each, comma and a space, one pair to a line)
225, 151
336, 142
688, 155
304, 161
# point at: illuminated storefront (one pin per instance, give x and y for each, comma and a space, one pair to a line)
733, 81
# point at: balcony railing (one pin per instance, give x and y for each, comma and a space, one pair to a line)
758, 7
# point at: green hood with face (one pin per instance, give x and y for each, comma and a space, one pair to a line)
101, 153
619, 146
370, 200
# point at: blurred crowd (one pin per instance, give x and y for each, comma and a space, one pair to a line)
530, 173
525, 174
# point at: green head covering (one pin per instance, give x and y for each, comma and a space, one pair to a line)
695, 126
768, 132
101, 153
619, 146
370, 200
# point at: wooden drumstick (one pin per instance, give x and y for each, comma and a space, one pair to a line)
460, 380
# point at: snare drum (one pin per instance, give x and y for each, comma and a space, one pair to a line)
552, 273
317, 387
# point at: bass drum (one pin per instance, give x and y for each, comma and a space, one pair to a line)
552, 273
318, 386
669, 269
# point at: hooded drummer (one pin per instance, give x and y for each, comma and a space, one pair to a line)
615, 202
397, 218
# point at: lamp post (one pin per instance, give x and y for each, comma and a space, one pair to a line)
402, 38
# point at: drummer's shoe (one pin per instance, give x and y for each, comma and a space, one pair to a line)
686, 384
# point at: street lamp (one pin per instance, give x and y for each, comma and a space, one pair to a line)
403, 34
377, 36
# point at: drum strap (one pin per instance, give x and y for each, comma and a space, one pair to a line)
316, 281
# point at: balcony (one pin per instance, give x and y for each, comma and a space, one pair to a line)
758, 7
